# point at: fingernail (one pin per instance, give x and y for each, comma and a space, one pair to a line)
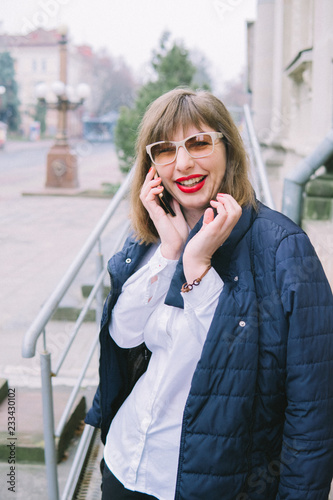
151, 168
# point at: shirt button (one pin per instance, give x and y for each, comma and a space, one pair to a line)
242, 323
236, 278
128, 261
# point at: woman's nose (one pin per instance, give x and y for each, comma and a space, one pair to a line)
183, 160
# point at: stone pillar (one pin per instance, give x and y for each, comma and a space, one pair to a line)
263, 68
62, 167
277, 114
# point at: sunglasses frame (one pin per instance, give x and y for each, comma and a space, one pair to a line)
213, 135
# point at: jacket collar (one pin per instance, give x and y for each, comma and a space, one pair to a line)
124, 263
221, 258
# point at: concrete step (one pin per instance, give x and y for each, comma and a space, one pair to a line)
72, 312
31, 478
86, 289
69, 313
21, 423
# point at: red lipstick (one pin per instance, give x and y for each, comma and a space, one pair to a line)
191, 188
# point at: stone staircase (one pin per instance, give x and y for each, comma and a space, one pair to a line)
28, 423
71, 312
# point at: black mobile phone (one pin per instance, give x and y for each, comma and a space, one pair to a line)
164, 201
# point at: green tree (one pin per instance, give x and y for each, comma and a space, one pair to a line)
9, 105
171, 67
40, 116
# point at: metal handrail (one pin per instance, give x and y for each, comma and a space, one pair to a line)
294, 183
36, 328
70, 402
76, 389
262, 180
79, 321
79, 459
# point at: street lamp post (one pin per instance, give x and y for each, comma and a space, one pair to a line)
62, 168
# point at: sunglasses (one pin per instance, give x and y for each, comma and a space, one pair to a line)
197, 146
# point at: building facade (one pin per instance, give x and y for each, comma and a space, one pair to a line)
291, 79
37, 60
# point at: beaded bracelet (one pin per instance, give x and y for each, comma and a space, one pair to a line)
187, 287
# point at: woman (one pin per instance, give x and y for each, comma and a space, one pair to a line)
232, 303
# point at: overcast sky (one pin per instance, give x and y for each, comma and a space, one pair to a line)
132, 28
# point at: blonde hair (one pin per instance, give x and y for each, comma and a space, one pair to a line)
183, 108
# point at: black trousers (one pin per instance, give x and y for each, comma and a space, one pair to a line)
112, 489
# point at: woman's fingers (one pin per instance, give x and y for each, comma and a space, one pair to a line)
149, 177
172, 231
220, 208
229, 203
208, 216
151, 187
227, 208
228, 214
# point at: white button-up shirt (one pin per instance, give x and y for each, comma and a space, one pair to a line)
142, 446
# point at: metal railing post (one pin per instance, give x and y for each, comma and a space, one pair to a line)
100, 292
268, 199
48, 421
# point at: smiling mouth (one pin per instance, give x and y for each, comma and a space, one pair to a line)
191, 184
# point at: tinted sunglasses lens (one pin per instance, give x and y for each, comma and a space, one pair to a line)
199, 145
163, 153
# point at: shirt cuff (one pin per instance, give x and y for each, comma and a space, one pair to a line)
208, 289
158, 264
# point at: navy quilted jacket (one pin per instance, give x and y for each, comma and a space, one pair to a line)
258, 422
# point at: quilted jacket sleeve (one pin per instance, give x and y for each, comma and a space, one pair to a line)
307, 450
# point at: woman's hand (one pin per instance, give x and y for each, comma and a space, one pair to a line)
214, 232
173, 231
